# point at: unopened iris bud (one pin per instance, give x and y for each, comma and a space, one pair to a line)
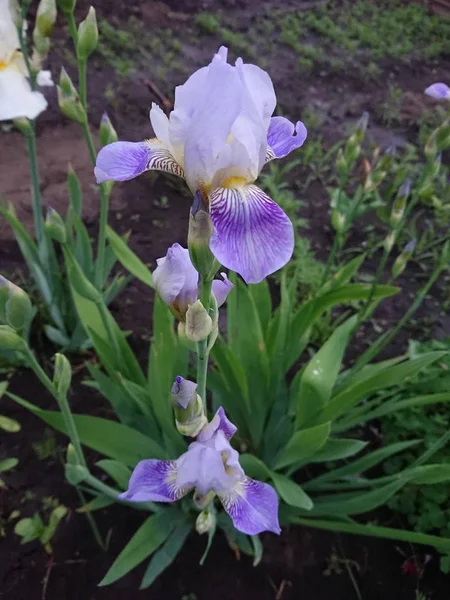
190, 415
399, 206
24, 126
402, 259
438, 141
55, 227
16, 309
87, 35
69, 100
353, 146
62, 374
341, 165
206, 521
199, 235
198, 322
337, 220
107, 133
46, 17
41, 49
67, 6
10, 340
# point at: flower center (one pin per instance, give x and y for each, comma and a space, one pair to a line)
3, 65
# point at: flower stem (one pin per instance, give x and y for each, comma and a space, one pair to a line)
72, 28
366, 310
82, 72
37, 204
202, 347
334, 248
62, 401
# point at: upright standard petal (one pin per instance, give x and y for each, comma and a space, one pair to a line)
154, 481
252, 506
122, 161
283, 137
16, 97
44, 79
202, 467
221, 289
438, 91
252, 235
219, 422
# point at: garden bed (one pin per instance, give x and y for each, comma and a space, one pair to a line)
305, 562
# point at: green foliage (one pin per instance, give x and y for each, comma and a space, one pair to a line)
35, 528
425, 507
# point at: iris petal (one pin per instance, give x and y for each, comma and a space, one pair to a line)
221, 289
252, 506
252, 235
16, 97
219, 422
122, 161
154, 481
438, 91
283, 137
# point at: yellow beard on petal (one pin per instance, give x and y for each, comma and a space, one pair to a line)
233, 182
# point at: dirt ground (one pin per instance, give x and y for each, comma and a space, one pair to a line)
301, 563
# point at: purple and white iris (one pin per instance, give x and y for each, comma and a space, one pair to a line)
210, 466
176, 281
218, 137
438, 91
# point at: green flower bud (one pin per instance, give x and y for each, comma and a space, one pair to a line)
353, 146
206, 521
24, 126
341, 165
10, 340
402, 259
62, 374
337, 220
55, 226
42, 46
67, 6
46, 17
69, 100
75, 474
198, 322
107, 132
438, 141
200, 232
189, 411
87, 35
399, 206
16, 309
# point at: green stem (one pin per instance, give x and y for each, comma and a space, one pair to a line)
37, 204
365, 312
62, 401
95, 530
82, 68
72, 28
334, 248
202, 347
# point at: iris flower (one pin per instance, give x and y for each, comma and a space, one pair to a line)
438, 91
176, 281
210, 466
16, 97
218, 138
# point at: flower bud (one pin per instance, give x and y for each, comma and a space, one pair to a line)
46, 17
337, 220
198, 322
341, 165
190, 415
206, 521
398, 208
75, 474
402, 259
353, 146
200, 232
62, 374
55, 227
71, 455
10, 340
41, 49
87, 35
24, 126
69, 100
16, 309
67, 6
107, 132
438, 141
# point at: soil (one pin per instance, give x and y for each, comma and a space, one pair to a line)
302, 562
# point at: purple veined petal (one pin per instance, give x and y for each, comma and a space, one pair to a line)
283, 137
176, 279
121, 161
221, 289
252, 235
219, 422
438, 91
154, 481
252, 506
